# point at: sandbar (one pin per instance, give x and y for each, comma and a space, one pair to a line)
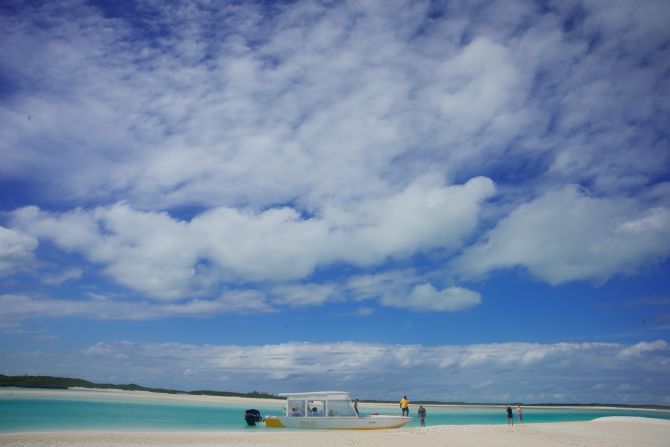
114, 394
624, 431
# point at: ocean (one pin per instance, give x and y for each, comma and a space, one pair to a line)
19, 412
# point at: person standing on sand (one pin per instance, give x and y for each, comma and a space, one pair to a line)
519, 413
422, 415
404, 405
510, 417
356, 407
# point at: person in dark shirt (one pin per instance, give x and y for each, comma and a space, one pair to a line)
422, 415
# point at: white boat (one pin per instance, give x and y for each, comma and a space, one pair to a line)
329, 410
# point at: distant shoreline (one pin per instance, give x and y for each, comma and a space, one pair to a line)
115, 393
63, 383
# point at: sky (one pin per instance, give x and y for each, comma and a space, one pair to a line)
457, 201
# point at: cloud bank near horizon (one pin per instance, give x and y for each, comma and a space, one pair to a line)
526, 372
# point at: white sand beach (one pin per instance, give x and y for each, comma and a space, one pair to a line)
614, 431
609, 432
94, 393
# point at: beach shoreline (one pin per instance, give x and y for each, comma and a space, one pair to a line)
111, 393
117, 394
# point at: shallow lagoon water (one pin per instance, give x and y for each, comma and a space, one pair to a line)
28, 413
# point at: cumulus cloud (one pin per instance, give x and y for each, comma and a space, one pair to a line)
410, 290
426, 297
16, 250
303, 136
642, 347
493, 372
569, 235
168, 258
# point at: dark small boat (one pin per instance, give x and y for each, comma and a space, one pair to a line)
252, 417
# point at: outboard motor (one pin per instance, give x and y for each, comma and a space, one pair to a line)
252, 417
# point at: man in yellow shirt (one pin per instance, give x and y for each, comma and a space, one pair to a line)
404, 405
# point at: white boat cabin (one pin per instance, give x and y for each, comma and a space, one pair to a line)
319, 404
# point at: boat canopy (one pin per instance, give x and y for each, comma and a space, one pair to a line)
318, 395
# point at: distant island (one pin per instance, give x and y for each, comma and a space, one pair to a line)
51, 382
62, 383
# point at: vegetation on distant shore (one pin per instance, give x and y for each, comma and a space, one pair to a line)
62, 383
65, 383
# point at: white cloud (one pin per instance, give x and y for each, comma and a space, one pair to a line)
61, 277
365, 287
163, 257
424, 216
143, 251
16, 250
474, 87
304, 136
400, 289
317, 103
582, 372
426, 297
568, 235
643, 347
408, 289
17, 308
363, 312
304, 295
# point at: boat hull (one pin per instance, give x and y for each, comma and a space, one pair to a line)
373, 422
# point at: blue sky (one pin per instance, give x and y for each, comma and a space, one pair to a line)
453, 200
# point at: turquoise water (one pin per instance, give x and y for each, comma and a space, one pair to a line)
23, 413
45, 414
498, 415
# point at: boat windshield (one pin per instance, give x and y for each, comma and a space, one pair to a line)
340, 408
316, 408
295, 407
319, 408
